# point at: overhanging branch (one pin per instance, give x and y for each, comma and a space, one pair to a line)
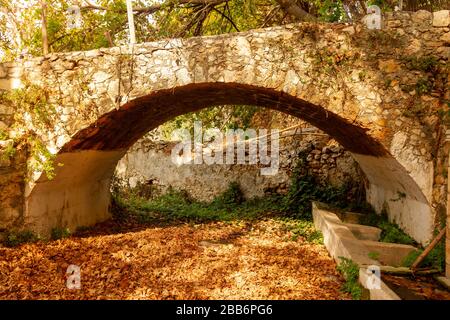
156, 7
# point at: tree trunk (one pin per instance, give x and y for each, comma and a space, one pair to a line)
44, 27
292, 8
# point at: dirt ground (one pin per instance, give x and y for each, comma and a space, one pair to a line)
205, 261
417, 288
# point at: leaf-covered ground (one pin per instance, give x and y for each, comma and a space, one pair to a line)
238, 260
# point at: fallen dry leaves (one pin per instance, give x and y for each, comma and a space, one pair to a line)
416, 288
238, 260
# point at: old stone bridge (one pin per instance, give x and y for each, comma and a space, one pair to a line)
377, 92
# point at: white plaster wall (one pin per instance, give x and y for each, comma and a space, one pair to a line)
392, 188
202, 181
72, 200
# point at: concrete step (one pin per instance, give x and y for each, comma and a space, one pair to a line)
391, 254
351, 217
341, 242
362, 232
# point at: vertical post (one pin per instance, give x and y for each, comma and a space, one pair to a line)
447, 238
44, 27
131, 22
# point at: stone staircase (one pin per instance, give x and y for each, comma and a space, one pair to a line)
343, 237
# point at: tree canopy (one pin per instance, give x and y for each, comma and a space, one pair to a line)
104, 22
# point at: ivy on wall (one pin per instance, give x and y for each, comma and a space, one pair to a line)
33, 114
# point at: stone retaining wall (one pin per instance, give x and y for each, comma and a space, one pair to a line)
149, 163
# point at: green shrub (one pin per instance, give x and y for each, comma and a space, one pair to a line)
60, 233
16, 238
390, 232
231, 197
424, 64
304, 229
435, 259
350, 271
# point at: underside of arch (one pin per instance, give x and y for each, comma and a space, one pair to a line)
79, 194
143, 114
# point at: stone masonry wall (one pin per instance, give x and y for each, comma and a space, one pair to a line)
149, 163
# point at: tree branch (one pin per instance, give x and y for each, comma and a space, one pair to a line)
156, 7
292, 8
228, 18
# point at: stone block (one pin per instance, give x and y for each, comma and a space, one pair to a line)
446, 37
421, 16
441, 18
3, 71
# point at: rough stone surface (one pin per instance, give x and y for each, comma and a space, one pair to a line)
148, 164
12, 186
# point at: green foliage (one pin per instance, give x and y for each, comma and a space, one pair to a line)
435, 259
231, 197
374, 255
32, 100
228, 117
43, 158
19, 31
304, 229
390, 231
350, 271
8, 152
60, 233
305, 188
16, 238
417, 110
424, 63
3, 135
176, 205
424, 86
331, 10
230, 205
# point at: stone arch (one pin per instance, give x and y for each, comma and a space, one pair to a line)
79, 194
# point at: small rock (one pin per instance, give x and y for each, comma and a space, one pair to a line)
446, 37
421, 16
389, 66
394, 23
440, 180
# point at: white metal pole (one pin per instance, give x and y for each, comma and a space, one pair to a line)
131, 22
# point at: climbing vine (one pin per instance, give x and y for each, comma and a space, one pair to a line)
33, 114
